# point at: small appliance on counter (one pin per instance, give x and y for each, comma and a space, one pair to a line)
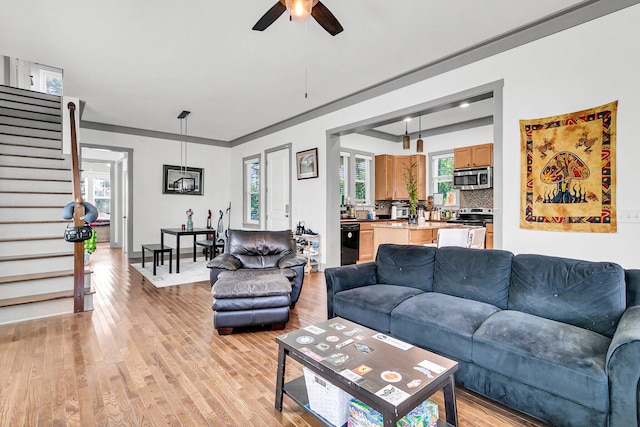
401, 211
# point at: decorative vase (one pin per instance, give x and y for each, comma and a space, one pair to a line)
413, 219
189, 224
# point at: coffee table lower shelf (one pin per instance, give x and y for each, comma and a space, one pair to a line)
297, 390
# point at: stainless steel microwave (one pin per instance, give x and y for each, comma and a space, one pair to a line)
473, 179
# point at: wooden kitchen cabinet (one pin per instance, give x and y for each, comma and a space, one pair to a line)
489, 237
389, 176
422, 236
365, 253
473, 156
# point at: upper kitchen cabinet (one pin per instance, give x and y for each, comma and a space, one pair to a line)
473, 156
390, 172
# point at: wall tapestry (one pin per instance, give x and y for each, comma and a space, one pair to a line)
568, 172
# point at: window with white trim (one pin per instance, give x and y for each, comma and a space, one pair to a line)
355, 177
362, 178
251, 184
442, 173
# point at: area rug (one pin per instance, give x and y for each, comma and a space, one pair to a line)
569, 171
190, 272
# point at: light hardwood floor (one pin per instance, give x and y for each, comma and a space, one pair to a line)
150, 357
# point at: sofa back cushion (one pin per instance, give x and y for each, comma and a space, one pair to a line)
476, 274
406, 265
260, 249
632, 281
590, 295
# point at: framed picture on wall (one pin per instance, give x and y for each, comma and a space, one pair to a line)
182, 180
307, 163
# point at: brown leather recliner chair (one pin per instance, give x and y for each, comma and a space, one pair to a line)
252, 253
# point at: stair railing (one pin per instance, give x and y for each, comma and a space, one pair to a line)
78, 214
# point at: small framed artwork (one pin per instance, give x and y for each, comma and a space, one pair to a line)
307, 163
182, 180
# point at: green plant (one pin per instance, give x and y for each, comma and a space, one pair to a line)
411, 181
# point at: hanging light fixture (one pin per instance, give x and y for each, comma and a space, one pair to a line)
300, 10
406, 141
419, 142
186, 183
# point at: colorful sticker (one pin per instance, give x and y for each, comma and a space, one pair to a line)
391, 376
338, 326
332, 338
350, 375
323, 346
363, 348
414, 383
337, 359
362, 369
423, 370
307, 351
359, 337
305, 339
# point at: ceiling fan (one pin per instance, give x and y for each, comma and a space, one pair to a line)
319, 11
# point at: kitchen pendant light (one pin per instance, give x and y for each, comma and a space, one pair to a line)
419, 142
406, 141
186, 183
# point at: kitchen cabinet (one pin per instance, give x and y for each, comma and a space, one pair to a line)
366, 253
473, 156
489, 237
389, 176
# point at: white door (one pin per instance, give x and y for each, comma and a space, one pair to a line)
278, 196
124, 237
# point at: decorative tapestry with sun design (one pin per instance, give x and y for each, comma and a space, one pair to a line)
568, 171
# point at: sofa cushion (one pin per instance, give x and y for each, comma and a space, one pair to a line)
561, 359
590, 295
480, 275
260, 249
406, 265
440, 322
371, 305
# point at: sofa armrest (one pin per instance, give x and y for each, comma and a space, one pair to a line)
291, 260
225, 262
623, 369
348, 277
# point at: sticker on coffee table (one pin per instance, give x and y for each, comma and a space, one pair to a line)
391, 376
392, 341
424, 371
315, 356
338, 326
323, 346
359, 337
362, 369
353, 332
392, 394
363, 348
344, 344
305, 339
414, 383
337, 359
314, 330
433, 367
332, 338
350, 375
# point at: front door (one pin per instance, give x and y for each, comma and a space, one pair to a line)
278, 192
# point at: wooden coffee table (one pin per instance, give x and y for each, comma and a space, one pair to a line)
389, 375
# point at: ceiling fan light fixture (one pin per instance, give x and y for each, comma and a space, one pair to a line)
299, 10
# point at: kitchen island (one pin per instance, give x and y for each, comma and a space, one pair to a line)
405, 234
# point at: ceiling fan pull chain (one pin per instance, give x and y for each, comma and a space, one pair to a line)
306, 59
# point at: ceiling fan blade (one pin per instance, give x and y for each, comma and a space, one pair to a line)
326, 19
270, 17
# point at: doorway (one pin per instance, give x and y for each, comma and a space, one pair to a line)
278, 188
121, 191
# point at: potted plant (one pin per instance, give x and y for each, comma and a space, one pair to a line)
411, 181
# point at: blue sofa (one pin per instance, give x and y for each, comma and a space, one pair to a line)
555, 338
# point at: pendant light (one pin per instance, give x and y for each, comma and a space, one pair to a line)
406, 141
419, 142
186, 183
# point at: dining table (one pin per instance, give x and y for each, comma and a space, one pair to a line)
179, 232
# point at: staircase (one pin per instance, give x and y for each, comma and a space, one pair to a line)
36, 263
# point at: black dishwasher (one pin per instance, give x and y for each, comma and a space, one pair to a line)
349, 243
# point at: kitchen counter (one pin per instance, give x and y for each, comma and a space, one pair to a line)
405, 234
426, 226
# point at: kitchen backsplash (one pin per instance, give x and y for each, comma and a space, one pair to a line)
477, 198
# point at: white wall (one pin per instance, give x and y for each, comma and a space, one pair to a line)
153, 210
579, 68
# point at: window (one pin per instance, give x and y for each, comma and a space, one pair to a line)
251, 185
442, 173
51, 82
362, 177
102, 195
355, 177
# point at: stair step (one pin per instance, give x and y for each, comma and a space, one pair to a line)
33, 256
29, 101
32, 185
33, 133
23, 229
22, 161
34, 152
30, 213
39, 276
32, 245
30, 123
31, 142
32, 115
29, 107
17, 199
29, 93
